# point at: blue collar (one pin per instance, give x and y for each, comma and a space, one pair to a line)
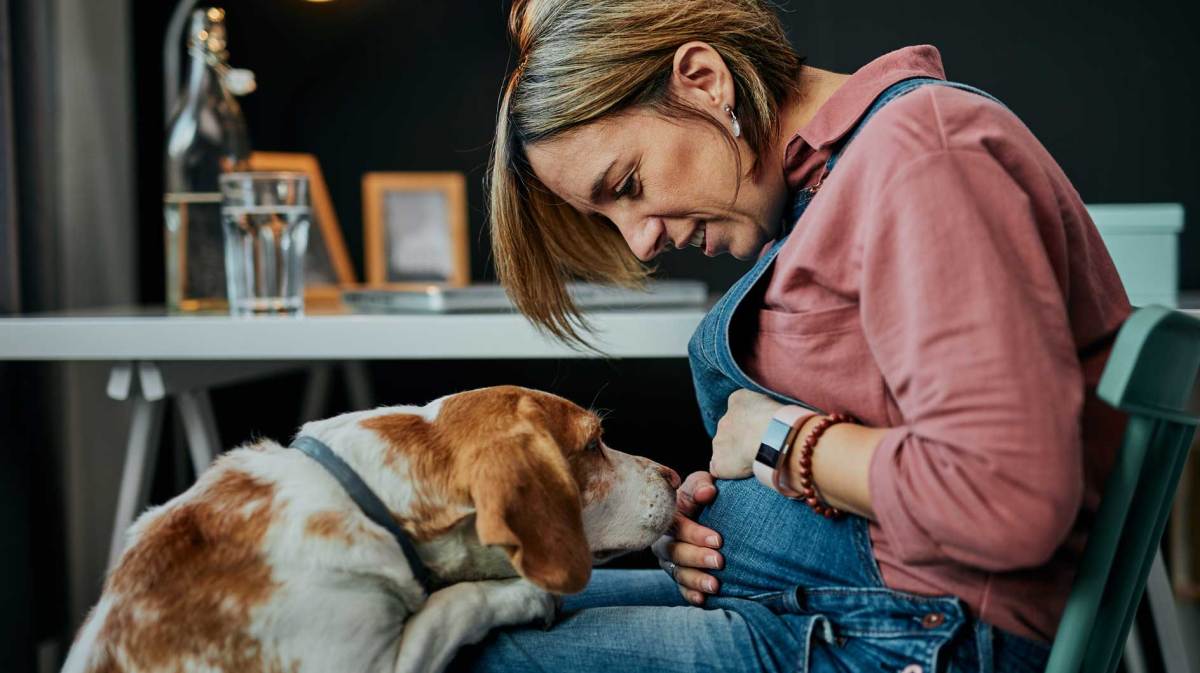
365, 498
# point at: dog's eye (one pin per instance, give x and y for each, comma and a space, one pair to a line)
593, 445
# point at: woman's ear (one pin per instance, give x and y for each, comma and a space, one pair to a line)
699, 76
527, 502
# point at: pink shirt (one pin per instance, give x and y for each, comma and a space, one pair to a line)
948, 284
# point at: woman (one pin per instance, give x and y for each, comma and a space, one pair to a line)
924, 271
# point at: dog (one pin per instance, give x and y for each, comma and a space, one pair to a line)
266, 564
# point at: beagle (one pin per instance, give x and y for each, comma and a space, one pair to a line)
267, 563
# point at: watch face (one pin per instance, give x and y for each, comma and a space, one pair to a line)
772, 442
767, 455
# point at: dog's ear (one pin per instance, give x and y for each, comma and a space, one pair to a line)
527, 502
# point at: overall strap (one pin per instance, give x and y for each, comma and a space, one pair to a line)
890, 94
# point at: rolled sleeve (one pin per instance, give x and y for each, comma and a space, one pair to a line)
965, 316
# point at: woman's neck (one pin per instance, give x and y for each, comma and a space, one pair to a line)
816, 87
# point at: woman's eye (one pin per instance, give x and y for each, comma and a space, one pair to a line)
626, 187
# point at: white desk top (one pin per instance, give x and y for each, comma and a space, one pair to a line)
144, 334
147, 334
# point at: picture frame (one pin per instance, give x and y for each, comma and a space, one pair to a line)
415, 229
327, 265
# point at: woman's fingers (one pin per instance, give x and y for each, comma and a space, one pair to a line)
686, 530
690, 549
668, 548
694, 584
695, 492
690, 563
689, 555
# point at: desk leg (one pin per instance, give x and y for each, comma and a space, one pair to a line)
358, 385
316, 392
144, 432
200, 426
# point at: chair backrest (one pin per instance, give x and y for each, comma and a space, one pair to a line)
1150, 375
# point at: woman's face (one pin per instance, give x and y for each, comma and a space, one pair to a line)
664, 183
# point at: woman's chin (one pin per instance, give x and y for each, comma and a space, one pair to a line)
746, 251
744, 255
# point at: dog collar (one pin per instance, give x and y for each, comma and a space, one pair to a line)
365, 498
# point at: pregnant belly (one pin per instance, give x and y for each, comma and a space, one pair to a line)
772, 543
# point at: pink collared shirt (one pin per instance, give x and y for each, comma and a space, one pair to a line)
947, 283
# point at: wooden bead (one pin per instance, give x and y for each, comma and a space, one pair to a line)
808, 490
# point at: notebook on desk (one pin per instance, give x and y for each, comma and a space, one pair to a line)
492, 298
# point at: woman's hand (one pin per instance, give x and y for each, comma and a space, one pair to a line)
739, 432
689, 548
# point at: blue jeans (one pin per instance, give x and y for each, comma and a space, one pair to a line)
799, 593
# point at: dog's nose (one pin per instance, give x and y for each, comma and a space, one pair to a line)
670, 475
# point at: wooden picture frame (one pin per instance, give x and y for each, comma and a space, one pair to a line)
327, 265
430, 210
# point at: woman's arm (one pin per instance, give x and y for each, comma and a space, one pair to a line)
841, 460
841, 465
966, 316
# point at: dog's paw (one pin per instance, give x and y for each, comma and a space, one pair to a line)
518, 601
550, 613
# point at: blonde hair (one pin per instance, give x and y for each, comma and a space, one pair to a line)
579, 60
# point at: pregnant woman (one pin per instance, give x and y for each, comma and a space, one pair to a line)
915, 348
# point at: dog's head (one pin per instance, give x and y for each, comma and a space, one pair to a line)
534, 471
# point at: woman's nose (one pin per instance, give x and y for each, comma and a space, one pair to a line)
645, 236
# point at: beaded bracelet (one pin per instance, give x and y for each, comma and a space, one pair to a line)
808, 489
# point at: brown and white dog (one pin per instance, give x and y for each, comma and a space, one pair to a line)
267, 565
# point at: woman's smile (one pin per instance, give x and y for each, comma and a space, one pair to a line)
695, 239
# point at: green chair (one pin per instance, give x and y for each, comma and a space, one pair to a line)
1151, 375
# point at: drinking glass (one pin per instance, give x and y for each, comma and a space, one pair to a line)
266, 218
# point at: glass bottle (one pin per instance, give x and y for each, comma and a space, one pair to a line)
206, 136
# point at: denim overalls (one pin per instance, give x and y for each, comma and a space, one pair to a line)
838, 587
799, 593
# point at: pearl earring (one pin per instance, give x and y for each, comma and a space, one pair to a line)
737, 126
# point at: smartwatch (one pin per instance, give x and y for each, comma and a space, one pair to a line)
776, 441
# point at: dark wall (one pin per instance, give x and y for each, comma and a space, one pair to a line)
1110, 88
366, 85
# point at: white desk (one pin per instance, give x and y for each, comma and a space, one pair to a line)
156, 356
149, 335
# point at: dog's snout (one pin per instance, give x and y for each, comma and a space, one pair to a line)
670, 475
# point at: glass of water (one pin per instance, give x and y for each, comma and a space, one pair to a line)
266, 218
